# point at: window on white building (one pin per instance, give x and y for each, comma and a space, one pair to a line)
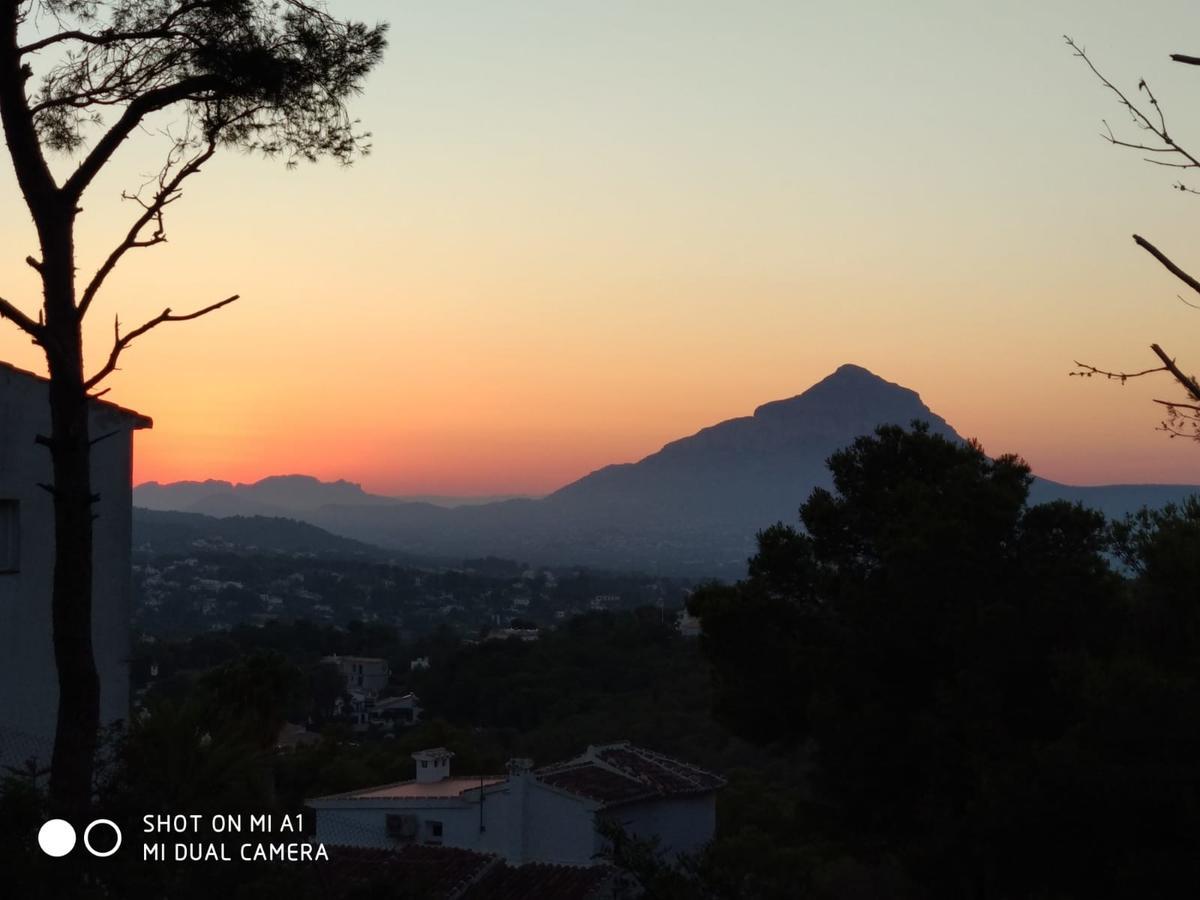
401, 827
10, 536
433, 832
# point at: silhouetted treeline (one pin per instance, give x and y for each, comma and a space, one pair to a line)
994, 710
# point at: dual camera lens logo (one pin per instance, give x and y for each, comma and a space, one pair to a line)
57, 837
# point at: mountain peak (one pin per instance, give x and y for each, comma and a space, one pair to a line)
851, 388
848, 370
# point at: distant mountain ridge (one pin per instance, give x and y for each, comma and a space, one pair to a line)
693, 507
274, 496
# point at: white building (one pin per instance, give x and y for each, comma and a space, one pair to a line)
689, 626
391, 713
548, 815
366, 674
28, 676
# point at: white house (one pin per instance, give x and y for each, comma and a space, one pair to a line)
28, 677
366, 674
547, 815
395, 712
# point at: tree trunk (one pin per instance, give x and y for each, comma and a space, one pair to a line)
70, 450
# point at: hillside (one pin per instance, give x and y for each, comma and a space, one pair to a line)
691, 508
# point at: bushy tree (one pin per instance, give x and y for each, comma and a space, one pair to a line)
989, 702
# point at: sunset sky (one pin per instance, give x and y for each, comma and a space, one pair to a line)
590, 228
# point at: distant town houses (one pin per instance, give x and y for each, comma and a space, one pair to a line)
601, 602
549, 815
211, 586
521, 634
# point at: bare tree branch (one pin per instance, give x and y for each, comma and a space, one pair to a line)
1172, 404
1141, 119
1186, 60
1166, 262
1188, 382
112, 36
122, 342
1087, 370
101, 38
141, 106
22, 321
152, 211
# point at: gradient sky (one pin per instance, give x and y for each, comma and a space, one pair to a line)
590, 228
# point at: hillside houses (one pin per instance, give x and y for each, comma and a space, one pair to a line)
550, 815
366, 677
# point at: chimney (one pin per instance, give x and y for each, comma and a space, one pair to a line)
432, 765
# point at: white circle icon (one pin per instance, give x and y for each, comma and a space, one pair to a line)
56, 837
87, 832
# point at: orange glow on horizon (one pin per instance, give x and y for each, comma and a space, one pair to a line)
551, 263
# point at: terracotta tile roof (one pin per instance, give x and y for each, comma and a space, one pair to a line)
621, 773
667, 775
446, 873
594, 782
541, 881
429, 872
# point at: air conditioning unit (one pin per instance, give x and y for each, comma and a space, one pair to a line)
401, 827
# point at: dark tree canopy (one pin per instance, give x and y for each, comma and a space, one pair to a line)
272, 77
987, 701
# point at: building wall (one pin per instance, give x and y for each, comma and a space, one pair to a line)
682, 824
559, 828
363, 674
361, 825
28, 677
354, 826
523, 822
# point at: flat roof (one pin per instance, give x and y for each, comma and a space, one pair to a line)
333, 657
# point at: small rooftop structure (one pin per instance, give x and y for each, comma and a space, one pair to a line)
433, 765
